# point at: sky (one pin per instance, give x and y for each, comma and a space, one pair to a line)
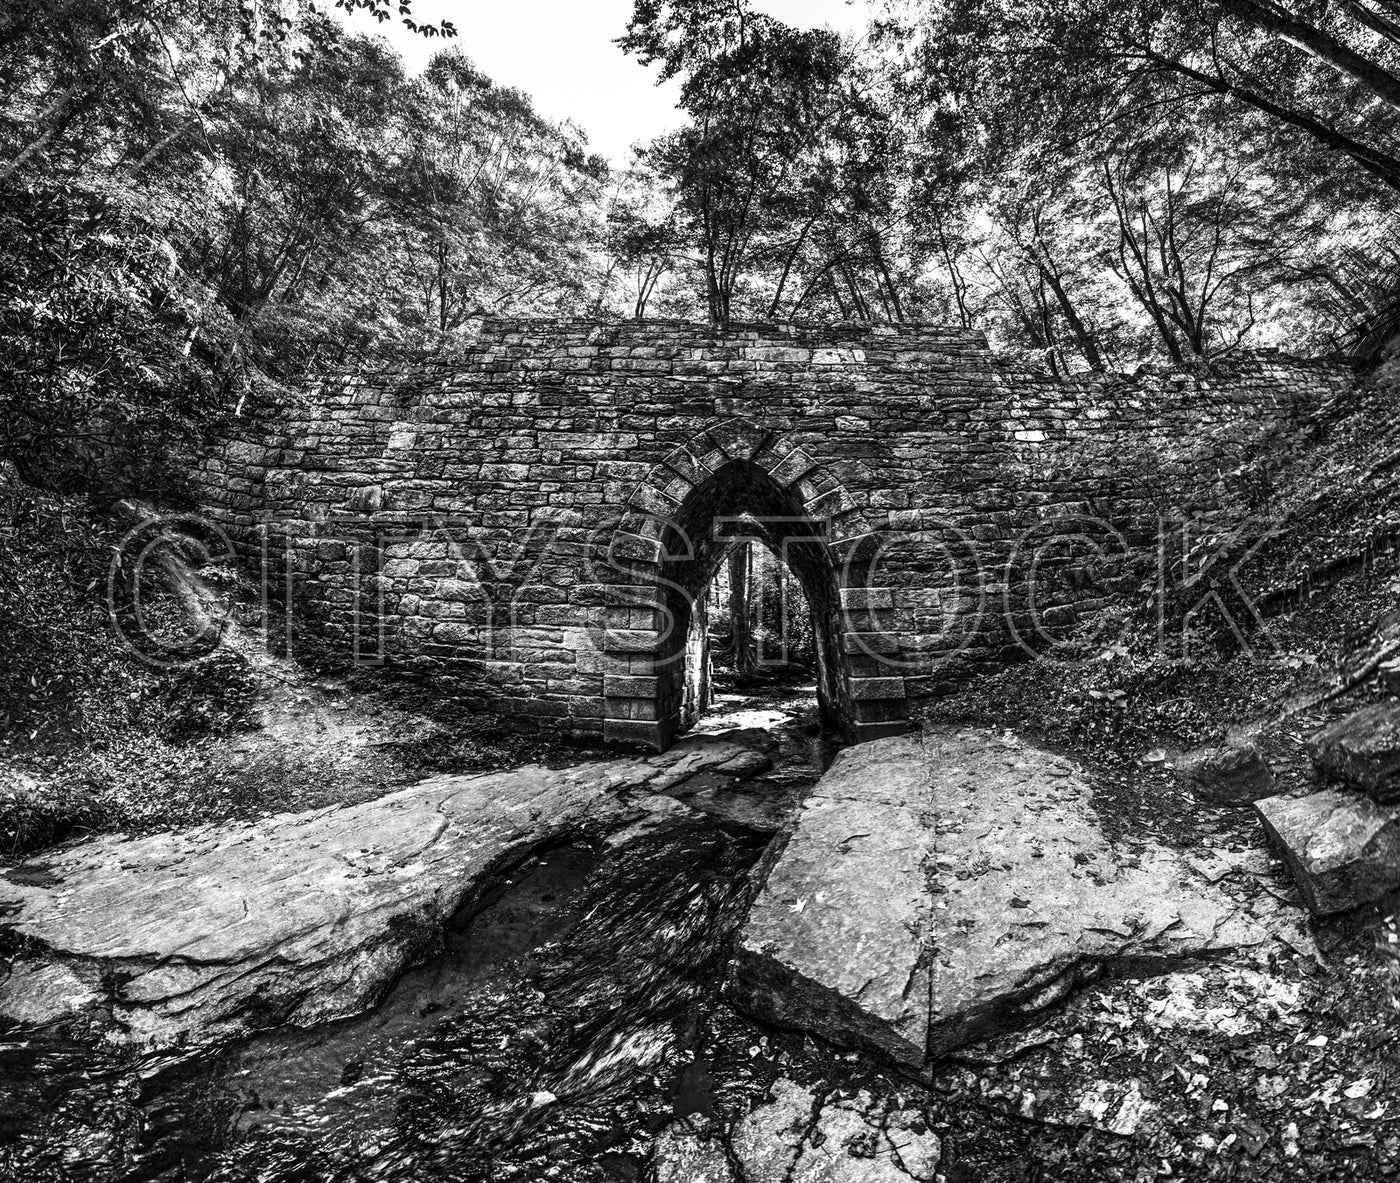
561, 53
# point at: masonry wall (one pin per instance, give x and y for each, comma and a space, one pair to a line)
486, 518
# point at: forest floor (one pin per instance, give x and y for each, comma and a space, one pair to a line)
278, 735
1290, 1074
1210, 1071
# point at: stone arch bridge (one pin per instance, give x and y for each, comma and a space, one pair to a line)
530, 521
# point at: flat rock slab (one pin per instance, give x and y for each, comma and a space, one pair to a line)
837, 939
1363, 749
1342, 847
939, 887
300, 917
798, 1136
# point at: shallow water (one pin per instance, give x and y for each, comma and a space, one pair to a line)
542, 1043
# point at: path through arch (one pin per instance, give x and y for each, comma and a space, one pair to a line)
735, 482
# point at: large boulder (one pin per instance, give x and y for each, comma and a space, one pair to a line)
303, 917
1233, 773
838, 938
942, 886
1342, 847
1363, 749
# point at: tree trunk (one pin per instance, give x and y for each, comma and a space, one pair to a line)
1083, 338
1321, 44
783, 612
1379, 164
740, 632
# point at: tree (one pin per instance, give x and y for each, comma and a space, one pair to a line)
1140, 198
1059, 69
774, 173
646, 243
500, 208
204, 204
98, 384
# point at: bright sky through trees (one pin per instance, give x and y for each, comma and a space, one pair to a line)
561, 53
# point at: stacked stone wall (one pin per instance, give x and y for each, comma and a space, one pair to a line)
493, 518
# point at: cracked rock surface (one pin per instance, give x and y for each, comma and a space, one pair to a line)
301, 917
942, 886
797, 1136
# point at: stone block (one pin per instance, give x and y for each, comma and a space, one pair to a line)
628, 686
792, 467
634, 733
1363, 749
1229, 774
872, 688
644, 709
1342, 847
879, 644
630, 640
653, 501
866, 597
625, 547
738, 439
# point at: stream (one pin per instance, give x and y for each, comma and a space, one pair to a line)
563, 1023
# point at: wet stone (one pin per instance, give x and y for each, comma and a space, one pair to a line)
301, 918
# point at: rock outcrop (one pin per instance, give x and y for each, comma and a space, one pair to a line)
939, 887
1231, 774
1342, 847
299, 918
1363, 750
839, 936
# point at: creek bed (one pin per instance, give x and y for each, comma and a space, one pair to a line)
541, 1043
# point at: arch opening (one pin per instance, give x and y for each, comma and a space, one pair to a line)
760, 628
741, 505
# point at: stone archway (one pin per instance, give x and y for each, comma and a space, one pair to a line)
738, 480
